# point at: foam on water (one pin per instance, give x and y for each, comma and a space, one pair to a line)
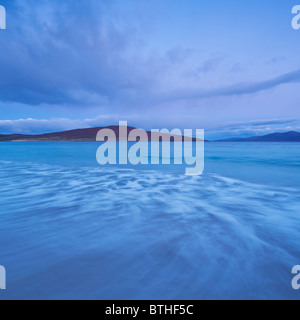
111, 233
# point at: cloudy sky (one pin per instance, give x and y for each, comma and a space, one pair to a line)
231, 68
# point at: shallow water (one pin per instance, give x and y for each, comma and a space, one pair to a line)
70, 229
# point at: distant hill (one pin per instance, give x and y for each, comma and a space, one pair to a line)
88, 134
291, 136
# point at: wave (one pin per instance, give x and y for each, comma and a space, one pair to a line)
116, 233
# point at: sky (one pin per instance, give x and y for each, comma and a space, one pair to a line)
228, 67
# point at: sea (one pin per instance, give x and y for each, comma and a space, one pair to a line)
72, 229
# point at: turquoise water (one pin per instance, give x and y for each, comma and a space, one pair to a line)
70, 229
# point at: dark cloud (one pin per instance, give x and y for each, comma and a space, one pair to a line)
65, 52
209, 65
75, 59
77, 53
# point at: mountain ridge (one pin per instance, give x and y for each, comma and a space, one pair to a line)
89, 134
290, 136
85, 134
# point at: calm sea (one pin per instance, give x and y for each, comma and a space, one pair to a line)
70, 229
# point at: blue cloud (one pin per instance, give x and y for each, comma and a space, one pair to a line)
52, 52
237, 89
165, 62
